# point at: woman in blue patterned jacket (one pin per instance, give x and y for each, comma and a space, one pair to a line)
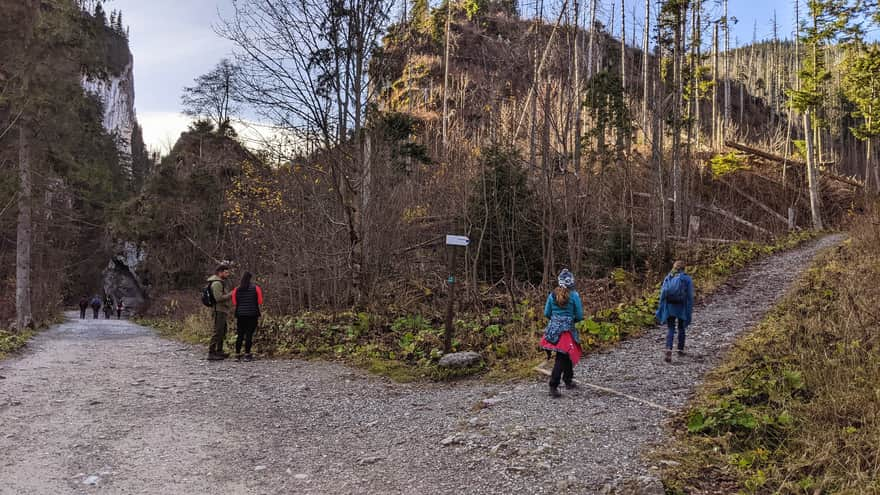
564, 308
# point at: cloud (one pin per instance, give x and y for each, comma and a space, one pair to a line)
162, 130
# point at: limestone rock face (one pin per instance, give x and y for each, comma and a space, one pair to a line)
116, 93
125, 279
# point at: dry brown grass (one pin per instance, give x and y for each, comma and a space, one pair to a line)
796, 407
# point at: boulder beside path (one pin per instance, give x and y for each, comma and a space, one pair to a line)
460, 360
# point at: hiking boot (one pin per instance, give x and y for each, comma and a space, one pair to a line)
681, 352
554, 392
223, 355
572, 386
248, 357
215, 357
238, 357
668, 357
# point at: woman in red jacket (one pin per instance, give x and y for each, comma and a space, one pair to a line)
247, 299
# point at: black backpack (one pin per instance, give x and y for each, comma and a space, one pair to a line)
208, 295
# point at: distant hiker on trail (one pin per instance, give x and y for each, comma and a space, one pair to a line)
119, 308
564, 308
220, 304
108, 308
676, 304
83, 306
96, 306
247, 299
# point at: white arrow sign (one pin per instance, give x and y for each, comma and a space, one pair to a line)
457, 240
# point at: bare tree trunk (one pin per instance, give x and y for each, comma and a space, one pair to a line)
623, 46
812, 176
876, 173
446, 79
645, 69
657, 153
726, 67
697, 41
868, 163
23, 311
677, 57
578, 110
716, 125
692, 66
613, 18
591, 49
533, 131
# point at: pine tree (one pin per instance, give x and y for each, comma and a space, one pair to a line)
99, 14
827, 20
862, 87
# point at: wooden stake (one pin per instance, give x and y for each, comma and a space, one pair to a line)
450, 329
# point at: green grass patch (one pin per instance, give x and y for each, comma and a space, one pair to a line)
795, 407
11, 342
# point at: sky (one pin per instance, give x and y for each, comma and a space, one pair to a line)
173, 42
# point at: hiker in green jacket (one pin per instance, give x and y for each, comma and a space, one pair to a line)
222, 307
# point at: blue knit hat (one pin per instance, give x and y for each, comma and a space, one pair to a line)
566, 279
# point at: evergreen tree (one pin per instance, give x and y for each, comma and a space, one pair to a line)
861, 84
99, 14
828, 19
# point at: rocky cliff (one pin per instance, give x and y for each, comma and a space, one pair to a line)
116, 93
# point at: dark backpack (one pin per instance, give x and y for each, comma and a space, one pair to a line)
676, 290
208, 295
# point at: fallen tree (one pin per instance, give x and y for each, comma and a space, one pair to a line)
779, 159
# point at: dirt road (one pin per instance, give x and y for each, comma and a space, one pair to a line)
98, 406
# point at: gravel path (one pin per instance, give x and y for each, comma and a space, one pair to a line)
107, 406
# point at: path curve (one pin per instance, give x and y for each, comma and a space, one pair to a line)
107, 406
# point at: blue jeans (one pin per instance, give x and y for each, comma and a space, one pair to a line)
671, 333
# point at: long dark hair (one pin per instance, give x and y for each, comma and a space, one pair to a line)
245, 280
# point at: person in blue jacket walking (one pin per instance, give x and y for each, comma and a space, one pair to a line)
676, 306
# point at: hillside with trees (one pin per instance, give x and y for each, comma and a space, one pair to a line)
542, 141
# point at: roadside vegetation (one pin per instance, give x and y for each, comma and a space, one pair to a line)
796, 406
13, 341
407, 346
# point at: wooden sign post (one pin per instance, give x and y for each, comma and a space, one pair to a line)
452, 241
